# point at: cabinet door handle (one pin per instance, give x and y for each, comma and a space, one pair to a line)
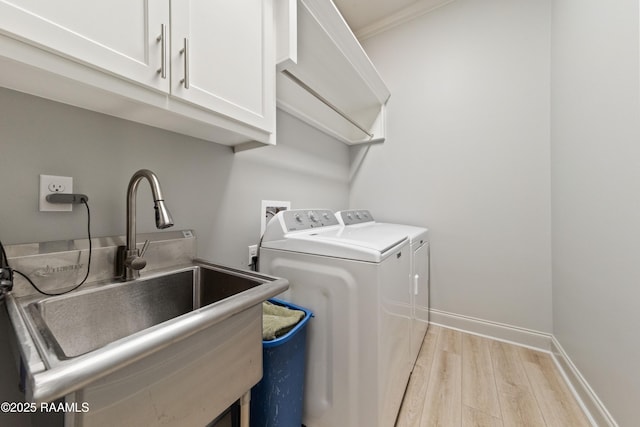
163, 51
185, 51
416, 279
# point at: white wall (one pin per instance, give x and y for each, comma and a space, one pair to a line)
206, 186
596, 196
467, 154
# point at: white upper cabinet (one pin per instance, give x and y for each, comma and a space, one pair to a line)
198, 67
325, 78
119, 36
223, 65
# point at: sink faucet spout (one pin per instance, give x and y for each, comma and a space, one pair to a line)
131, 259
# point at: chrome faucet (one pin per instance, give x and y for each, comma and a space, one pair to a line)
129, 260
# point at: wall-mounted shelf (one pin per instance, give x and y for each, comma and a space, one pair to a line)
324, 76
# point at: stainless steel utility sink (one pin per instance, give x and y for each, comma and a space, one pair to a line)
191, 331
77, 323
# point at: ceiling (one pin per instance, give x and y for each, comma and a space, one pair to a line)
361, 14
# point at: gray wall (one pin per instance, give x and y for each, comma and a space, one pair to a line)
207, 187
467, 154
520, 151
595, 137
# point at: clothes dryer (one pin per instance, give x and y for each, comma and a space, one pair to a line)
419, 269
360, 333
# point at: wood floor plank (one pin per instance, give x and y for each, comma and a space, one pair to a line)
507, 365
452, 378
518, 404
443, 402
478, 381
472, 417
413, 403
559, 407
425, 357
450, 340
519, 407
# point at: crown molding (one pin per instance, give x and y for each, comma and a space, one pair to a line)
419, 8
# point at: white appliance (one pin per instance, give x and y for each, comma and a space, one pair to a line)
359, 338
419, 271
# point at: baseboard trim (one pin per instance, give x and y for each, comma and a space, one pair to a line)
500, 331
592, 405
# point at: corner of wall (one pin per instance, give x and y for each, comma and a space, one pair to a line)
586, 397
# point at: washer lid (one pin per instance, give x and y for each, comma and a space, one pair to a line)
413, 233
317, 232
315, 244
378, 239
356, 244
363, 218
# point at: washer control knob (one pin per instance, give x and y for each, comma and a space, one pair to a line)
349, 215
312, 216
358, 215
325, 215
298, 217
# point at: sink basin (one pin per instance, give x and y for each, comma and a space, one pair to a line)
77, 323
192, 333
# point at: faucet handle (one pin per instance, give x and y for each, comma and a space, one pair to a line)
145, 246
132, 259
137, 262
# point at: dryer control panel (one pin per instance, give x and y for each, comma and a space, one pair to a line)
355, 216
304, 219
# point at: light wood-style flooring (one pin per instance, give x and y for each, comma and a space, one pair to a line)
466, 380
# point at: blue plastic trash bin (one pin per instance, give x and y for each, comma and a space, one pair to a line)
276, 401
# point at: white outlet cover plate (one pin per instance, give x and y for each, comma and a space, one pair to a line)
268, 211
63, 182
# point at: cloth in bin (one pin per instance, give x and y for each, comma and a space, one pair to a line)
278, 320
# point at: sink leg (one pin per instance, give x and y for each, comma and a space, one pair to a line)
245, 400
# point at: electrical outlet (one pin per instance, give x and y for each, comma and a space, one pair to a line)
55, 184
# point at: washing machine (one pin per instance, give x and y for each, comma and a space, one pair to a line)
419, 269
360, 334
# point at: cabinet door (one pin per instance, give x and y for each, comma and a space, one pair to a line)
223, 58
118, 36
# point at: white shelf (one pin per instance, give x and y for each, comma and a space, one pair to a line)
316, 47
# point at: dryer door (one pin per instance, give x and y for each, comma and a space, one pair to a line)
420, 284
